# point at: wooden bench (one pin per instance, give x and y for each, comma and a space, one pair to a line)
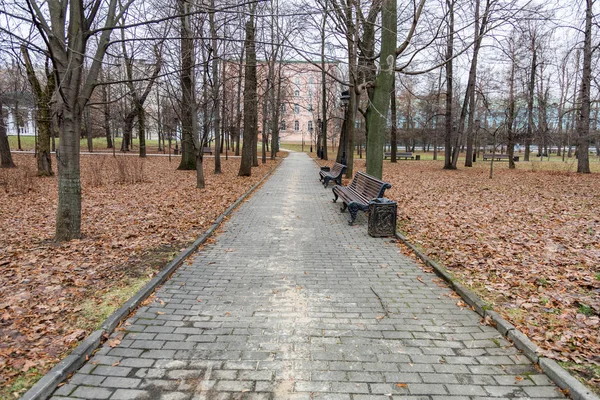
357, 195
207, 150
405, 155
335, 174
497, 157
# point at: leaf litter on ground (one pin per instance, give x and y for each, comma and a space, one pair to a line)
136, 215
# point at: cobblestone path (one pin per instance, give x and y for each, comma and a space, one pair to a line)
290, 302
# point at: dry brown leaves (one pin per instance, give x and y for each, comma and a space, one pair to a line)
43, 284
527, 241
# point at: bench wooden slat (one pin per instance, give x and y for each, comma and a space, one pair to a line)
406, 155
335, 174
357, 195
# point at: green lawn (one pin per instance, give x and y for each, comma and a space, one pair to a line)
98, 144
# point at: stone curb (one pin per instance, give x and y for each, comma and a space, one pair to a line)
562, 378
50, 381
576, 389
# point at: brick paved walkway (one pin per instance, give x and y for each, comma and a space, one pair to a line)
284, 306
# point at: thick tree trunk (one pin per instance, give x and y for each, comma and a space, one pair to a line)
250, 102
583, 118
188, 100
383, 86
68, 215
394, 131
6, 160
449, 132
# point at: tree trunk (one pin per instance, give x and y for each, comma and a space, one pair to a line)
384, 83
470, 93
583, 119
106, 109
127, 130
43, 116
238, 118
215, 88
188, 100
68, 214
449, 88
394, 131
88, 128
323, 127
530, 94
6, 160
250, 101
264, 133
142, 130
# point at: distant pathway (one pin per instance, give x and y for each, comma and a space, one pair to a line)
284, 305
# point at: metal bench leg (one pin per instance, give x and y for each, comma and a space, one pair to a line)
335, 194
353, 209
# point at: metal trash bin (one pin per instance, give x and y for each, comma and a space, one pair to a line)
417, 157
382, 217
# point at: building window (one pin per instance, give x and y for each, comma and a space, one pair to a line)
296, 93
310, 107
310, 125
283, 108
282, 126
297, 81
297, 108
311, 80
296, 125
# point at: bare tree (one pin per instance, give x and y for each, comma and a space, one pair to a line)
583, 118
66, 28
43, 94
250, 98
6, 160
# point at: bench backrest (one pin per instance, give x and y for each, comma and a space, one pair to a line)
368, 186
405, 154
337, 169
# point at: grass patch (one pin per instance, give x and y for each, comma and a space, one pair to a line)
587, 374
515, 313
585, 310
20, 385
95, 310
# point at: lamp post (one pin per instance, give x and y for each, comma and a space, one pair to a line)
345, 99
310, 131
302, 133
319, 133
476, 152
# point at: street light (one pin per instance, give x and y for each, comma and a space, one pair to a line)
319, 133
310, 131
345, 99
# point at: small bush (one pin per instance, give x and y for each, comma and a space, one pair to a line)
18, 181
128, 169
96, 171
